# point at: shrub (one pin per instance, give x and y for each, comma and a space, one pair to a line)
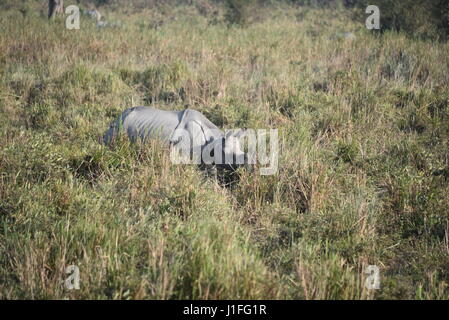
239, 11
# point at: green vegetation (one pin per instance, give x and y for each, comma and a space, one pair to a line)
363, 171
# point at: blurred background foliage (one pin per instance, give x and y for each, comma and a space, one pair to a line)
424, 19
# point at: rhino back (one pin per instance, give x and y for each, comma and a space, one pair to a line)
210, 129
145, 122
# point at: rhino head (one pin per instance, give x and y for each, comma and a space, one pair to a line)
226, 152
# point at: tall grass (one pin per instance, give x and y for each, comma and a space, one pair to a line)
364, 162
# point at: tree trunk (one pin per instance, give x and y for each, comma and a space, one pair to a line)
55, 7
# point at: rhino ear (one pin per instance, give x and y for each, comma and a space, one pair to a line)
176, 136
235, 133
209, 140
239, 133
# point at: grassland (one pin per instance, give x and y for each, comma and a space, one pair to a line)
363, 168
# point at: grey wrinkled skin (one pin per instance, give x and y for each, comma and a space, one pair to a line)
147, 122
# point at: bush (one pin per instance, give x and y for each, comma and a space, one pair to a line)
239, 11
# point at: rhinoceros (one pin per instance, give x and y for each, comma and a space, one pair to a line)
188, 130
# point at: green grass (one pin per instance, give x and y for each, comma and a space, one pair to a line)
363, 169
